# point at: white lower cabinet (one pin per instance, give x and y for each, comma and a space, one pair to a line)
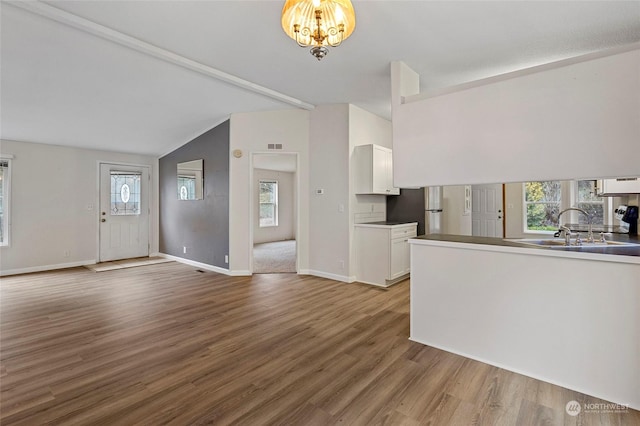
382, 252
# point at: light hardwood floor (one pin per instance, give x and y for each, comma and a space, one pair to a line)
166, 344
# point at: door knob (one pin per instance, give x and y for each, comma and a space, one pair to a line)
103, 220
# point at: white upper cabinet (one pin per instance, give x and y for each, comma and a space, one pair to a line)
619, 186
374, 170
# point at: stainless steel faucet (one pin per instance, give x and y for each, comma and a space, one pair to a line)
567, 234
589, 224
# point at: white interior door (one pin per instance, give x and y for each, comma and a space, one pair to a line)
124, 212
487, 210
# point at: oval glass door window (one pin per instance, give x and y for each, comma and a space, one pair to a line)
125, 193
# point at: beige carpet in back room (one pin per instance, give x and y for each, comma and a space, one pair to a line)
275, 257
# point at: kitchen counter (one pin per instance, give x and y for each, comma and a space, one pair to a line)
565, 316
382, 251
624, 254
384, 224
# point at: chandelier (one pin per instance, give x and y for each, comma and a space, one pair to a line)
318, 23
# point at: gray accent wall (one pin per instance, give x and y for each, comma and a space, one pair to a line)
202, 226
408, 206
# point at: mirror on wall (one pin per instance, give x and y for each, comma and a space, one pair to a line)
190, 180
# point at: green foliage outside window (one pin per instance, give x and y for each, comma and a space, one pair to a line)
542, 201
268, 203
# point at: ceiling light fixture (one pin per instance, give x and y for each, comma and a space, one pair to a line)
318, 23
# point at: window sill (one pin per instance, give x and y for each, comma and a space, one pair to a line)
539, 232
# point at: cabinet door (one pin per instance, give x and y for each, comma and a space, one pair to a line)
399, 258
406, 257
390, 189
379, 171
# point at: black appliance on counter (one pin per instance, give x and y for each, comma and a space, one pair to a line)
631, 217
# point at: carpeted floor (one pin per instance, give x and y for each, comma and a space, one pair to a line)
273, 258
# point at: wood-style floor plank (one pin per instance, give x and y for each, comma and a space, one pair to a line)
167, 344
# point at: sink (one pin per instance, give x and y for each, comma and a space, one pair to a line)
560, 244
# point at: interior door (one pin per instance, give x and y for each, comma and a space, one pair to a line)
487, 210
124, 212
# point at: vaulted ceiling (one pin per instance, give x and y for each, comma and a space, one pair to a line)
147, 76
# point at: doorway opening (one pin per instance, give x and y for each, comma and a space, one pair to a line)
274, 227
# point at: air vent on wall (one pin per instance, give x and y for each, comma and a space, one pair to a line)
274, 146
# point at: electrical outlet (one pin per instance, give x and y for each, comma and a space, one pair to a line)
66, 253
226, 258
341, 263
184, 249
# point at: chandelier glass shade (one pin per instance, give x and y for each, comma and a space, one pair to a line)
318, 23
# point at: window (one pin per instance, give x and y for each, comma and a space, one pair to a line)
186, 188
542, 205
544, 200
125, 193
587, 200
268, 203
5, 178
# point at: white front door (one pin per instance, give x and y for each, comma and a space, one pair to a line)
124, 212
487, 209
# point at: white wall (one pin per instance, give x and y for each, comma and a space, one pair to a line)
54, 205
250, 133
286, 207
329, 254
455, 221
561, 122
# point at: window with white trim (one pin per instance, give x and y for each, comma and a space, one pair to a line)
542, 204
5, 200
544, 200
268, 203
587, 200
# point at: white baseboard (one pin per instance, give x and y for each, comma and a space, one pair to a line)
374, 284
321, 274
200, 265
47, 267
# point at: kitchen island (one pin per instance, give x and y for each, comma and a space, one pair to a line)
568, 317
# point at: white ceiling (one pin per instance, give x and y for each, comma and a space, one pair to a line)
148, 76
